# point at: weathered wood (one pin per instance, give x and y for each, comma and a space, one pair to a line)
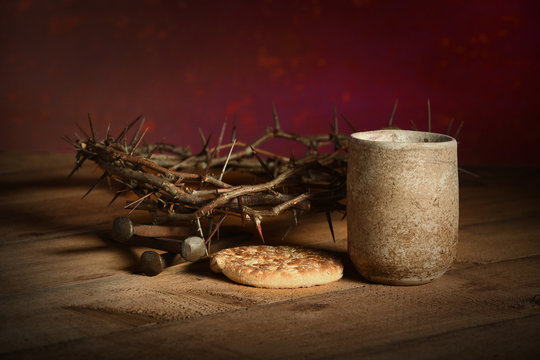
66, 289
350, 323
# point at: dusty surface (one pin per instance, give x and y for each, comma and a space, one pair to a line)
68, 291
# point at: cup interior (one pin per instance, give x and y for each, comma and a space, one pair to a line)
402, 136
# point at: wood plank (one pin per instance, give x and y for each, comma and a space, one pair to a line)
180, 293
347, 323
30, 166
500, 240
501, 339
42, 202
66, 288
500, 194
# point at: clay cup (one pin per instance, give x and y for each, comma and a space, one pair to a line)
402, 205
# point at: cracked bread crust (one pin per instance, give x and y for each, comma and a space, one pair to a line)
277, 267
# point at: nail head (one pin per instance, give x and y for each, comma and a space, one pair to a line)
122, 229
151, 263
193, 248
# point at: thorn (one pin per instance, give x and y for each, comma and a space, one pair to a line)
138, 142
264, 166
205, 144
210, 224
292, 161
241, 207
96, 184
208, 243
138, 202
329, 170
109, 184
449, 126
349, 123
259, 228
82, 131
134, 138
71, 142
233, 135
203, 138
151, 151
393, 113
124, 189
293, 224
336, 130
212, 155
287, 231
78, 164
227, 160
92, 128
428, 115
223, 127
126, 129
468, 172
277, 166
295, 217
216, 229
458, 130
277, 127
107, 134
329, 219
205, 174
200, 228
414, 125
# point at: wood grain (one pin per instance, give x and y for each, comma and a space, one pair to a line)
67, 290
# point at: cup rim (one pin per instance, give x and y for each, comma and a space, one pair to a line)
413, 137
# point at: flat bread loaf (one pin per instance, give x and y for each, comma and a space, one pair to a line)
277, 266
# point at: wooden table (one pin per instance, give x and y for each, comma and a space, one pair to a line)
69, 291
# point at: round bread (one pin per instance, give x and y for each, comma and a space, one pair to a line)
277, 266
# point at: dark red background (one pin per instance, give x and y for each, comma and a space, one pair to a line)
191, 64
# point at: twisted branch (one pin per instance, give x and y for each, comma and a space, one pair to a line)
169, 184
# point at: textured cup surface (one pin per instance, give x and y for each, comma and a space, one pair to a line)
402, 205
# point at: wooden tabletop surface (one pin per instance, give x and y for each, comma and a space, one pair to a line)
68, 291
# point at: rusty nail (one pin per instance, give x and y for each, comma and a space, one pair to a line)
124, 230
152, 263
193, 248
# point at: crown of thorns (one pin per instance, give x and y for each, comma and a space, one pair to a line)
176, 186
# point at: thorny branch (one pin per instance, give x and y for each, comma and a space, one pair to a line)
175, 185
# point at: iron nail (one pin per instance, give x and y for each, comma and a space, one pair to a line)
152, 263
192, 248
124, 229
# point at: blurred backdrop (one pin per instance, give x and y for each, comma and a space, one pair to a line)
190, 64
